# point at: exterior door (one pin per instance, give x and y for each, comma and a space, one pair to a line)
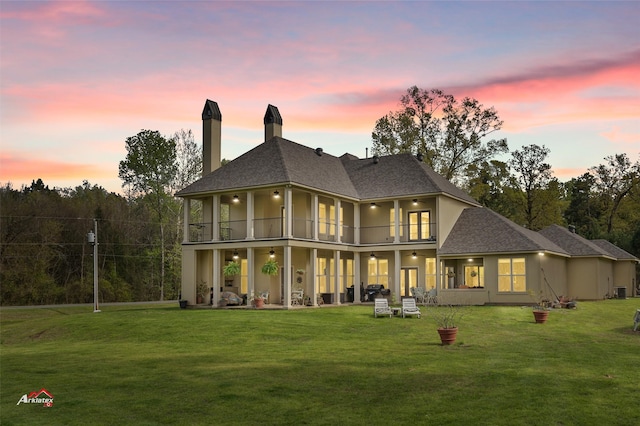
408, 279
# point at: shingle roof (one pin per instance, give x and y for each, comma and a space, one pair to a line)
614, 250
397, 175
480, 230
281, 161
573, 243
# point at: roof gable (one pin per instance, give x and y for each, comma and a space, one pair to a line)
480, 230
614, 250
573, 243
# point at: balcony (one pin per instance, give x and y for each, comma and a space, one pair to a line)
271, 228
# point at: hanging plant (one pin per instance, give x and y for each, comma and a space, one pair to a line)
270, 267
231, 269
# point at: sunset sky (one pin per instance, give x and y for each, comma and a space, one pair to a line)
78, 77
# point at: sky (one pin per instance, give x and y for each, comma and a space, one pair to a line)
79, 77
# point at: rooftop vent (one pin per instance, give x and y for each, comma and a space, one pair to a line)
420, 157
318, 152
376, 159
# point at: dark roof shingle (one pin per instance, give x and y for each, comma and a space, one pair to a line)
280, 161
480, 230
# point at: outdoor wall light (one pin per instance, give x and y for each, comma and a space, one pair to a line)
414, 255
235, 255
236, 199
373, 256
470, 260
540, 254
415, 201
276, 194
373, 205
272, 253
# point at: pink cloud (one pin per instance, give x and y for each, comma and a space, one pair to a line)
616, 135
20, 169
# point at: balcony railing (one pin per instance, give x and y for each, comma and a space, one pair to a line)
270, 227
199, 232
233, 230
302, 228
267, 228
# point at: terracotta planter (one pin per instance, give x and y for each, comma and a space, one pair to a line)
448, 335
540, 316
259, 303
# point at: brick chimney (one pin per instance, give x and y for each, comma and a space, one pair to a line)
272, 123
211, 137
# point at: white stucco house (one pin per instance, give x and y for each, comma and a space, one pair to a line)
335, 222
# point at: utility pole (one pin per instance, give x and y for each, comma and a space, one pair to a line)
92, 238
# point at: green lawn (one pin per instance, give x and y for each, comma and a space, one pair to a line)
158, 364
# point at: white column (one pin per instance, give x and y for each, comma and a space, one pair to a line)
250, 274
314, 217
215, 225
288, 212
396, 221
356, 223
336, 203
337, 269
250, 227
314, 275
286, 276
356, 277
186, 217
217, 270
396, 274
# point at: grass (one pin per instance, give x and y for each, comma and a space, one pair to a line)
157, 364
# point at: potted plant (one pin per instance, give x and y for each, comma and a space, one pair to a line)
270, 267
541, 308
257, 300
201, 290
446, 318
231, 269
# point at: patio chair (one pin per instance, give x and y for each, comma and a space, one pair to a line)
419, 294
636, 320
297, 297
382, 308
432, 297
265, 296
409, 308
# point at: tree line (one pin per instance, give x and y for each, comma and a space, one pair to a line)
44, 254
45, 257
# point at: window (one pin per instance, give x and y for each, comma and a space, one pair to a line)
378, 272
348, 274
474, 276
327, 219
512, 275
324, 277
392, 222
419, 226
430, 273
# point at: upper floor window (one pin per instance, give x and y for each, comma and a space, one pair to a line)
327, 219
512, 275
419, 225
392, 221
